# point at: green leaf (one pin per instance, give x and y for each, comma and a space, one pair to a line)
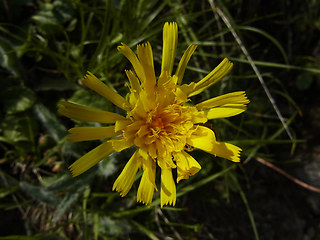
68, 183
52, 16
20, 131
113, 227
50, 122
64, 205
9, 59
19, 128
54, 84
39, 193
107, 167
17, 99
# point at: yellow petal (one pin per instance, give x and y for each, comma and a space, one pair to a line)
83, 113
90, 159
79, 134
164, 159
227, 151
152, 148
134, 81
143, 131
170, 39
125, 180
186, 165
181, 97
225, 111
165, 81
204, 139
131, 129
121, 143
168, 188
145, 56
138, 112
183, 62
99, 87
188, 88
229, 98
121, 124
223, 106
147, 183
213, 77
146, 101
131, 56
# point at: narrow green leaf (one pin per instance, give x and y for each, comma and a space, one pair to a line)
8, 190
277, 65
268, 36
196, 185
20, 237
246, 203
95, 226
145, 230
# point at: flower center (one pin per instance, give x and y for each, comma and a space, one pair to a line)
156, 124
162, 126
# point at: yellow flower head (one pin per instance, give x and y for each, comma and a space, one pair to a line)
158, 123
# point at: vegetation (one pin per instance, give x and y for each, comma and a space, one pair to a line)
47, 46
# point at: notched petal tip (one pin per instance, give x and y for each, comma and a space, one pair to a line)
122, 46
170, 40
87, 77
91, 158
224, 106
168, 188
99, 87
147, 184
228, 151
234, 98
125, 180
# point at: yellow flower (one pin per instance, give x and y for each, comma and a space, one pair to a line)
160, 121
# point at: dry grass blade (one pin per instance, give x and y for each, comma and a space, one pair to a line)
254, 67
293, 179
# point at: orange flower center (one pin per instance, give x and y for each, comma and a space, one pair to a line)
160, 125
156, 124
